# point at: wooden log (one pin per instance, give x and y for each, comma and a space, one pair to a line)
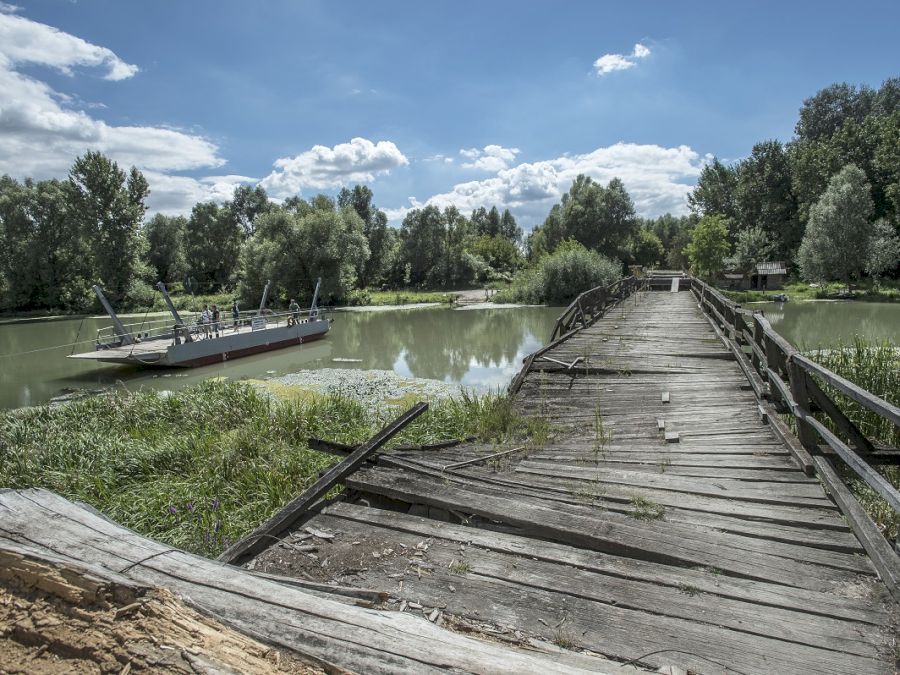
261, 537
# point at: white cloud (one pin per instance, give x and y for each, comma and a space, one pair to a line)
439, 158
26, 41
657, 178
490, 158
7, 8
321, 167
176, 195
41, 130
609, 63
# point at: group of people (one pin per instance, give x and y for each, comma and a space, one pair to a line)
211, 320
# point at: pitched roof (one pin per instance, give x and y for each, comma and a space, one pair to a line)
771, 268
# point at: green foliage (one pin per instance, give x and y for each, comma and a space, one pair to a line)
600, 218
715, 191
212, 243
559, 277
884, 249
293, 249
751, 246
200, 468
876, 368
709, 245
165, 243
837, 239
765, 199
108, 206
646, 248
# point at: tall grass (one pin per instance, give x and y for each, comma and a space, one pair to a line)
875, 367
200, 468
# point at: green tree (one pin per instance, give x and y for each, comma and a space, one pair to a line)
764, 197
884, 249
293, 250
837, 239
646, 248
709, 246
247, 204
752, 245
375, 229
108, 205
715, 191
423, 242
212, 244
165, 246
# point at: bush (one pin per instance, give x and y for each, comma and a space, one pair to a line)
559, 277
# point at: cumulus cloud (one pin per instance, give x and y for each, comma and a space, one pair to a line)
490, 158
609, 63
321, 167
657, 178
176, 195
41, 130
26, 41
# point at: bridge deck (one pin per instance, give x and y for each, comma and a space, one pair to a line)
710, 550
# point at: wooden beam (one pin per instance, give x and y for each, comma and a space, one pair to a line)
874, 403
260, 538
821, 399
886, 561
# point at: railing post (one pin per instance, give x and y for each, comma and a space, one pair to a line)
800, 393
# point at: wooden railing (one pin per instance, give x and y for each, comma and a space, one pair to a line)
794, 384
591, 305
584, 310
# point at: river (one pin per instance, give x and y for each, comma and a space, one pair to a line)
823, 324
479, 347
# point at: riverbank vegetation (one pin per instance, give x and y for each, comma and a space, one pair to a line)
875, 367
200, 468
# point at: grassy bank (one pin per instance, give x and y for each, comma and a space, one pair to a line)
200, 468
876, 368
888, 291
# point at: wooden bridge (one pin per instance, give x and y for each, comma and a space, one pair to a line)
670, 519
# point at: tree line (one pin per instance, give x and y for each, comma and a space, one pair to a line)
59, 237
827, 203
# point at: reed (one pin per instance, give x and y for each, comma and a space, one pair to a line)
874, 366
200, 468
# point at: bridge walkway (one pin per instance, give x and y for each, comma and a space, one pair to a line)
660, 522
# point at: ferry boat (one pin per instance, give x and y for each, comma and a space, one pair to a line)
180, 343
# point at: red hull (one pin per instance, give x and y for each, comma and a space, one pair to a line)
238, 353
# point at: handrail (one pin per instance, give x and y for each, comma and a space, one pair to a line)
585, 309
789, 375
592, 303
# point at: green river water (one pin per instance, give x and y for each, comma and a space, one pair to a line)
480, 348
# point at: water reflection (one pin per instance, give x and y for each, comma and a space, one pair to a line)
813, 325
480, 348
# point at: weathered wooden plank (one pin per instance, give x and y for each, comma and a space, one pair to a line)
261, 537
613, 592
334, 634
603, 531
828, 604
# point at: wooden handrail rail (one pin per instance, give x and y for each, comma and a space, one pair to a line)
790, 378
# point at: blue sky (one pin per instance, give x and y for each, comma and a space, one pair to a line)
428, 102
